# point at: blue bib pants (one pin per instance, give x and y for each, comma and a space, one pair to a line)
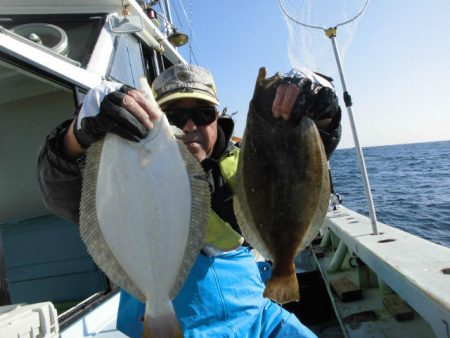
222, 297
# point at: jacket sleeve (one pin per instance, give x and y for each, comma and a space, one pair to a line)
324, 104
332, 135
59, 177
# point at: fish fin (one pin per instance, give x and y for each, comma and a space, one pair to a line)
263, 83
242, 210
324, 196
245, 219
282, 289
262, 73
90, 230
166, 326
163, 326
177, 132
201, 200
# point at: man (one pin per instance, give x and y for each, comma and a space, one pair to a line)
222, 296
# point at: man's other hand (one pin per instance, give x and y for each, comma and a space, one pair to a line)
303, 92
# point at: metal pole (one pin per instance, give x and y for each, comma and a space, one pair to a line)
331, 33
155, 62
338, 258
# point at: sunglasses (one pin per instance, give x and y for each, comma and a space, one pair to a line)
201, 116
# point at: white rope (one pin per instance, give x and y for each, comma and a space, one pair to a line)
192, 34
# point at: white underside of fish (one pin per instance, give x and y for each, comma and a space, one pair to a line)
144, 212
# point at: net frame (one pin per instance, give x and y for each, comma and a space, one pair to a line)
358, 14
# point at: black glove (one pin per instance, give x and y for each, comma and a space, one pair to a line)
325, 104
317, 98
102, 112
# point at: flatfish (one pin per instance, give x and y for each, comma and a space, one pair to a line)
282, 187
143, 215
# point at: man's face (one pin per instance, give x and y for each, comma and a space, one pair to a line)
199, 137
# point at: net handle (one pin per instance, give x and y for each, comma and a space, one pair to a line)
319, 27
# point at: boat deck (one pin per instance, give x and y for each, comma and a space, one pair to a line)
99, 322
368, 271
382, 323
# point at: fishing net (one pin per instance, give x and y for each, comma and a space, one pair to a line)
307, 20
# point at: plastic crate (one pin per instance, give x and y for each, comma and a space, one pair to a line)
38, 320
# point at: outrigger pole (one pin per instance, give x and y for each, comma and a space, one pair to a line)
331, 33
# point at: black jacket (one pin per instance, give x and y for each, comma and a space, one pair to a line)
60, 178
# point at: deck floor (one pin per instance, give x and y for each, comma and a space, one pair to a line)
383, 324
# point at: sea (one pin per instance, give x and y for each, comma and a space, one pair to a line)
410, 186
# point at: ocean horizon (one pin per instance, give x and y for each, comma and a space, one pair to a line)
410, 184
390, 145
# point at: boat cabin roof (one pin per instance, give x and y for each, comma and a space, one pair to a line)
62, 7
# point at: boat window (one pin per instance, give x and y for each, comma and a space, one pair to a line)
151, 63
154, 62
134, 59
127, 65
44, 256
71, 35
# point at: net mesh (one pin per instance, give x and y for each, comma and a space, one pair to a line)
306, 20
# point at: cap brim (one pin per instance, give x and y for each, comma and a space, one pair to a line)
188, 95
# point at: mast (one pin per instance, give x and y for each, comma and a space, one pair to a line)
168, 15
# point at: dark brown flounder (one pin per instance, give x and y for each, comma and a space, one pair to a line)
282, 187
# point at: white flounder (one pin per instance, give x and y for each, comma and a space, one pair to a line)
143, 216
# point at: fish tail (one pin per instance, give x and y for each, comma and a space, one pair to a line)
160, 320
165, 326
282, 289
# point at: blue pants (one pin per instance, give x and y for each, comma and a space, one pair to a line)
222, 297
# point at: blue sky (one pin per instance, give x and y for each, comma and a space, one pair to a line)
397, 66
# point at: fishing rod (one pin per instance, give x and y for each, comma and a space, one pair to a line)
331, 33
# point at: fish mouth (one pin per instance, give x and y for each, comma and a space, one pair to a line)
193, 141
194, 144
189, 139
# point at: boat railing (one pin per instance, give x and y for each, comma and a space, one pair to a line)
394, 263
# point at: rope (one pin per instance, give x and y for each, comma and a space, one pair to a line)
191, 11
192, 35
